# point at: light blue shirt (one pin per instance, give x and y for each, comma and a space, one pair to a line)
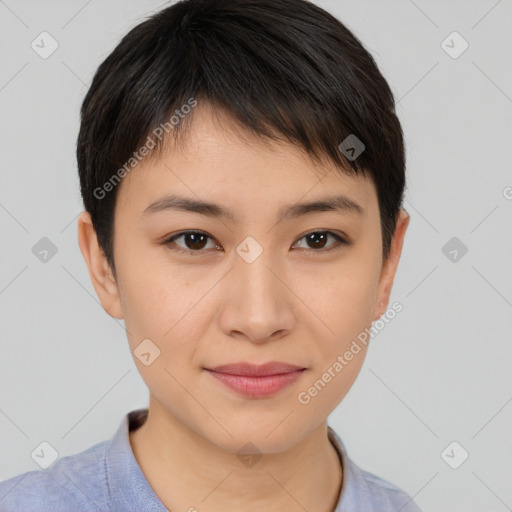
107, 478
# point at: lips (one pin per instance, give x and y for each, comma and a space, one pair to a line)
251, 370
257, 381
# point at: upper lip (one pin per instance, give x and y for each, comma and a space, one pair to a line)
251, 370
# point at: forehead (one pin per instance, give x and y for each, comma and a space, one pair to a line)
219, 160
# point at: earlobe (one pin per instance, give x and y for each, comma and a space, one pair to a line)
390, 266
99, 270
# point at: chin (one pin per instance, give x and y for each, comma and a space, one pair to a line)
254, 438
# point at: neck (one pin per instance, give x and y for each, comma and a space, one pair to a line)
188, 472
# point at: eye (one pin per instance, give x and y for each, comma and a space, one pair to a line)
318, 239
196, 241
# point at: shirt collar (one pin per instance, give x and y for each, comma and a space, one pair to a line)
128, 488
355, 494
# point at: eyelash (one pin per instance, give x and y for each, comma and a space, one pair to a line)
170, 241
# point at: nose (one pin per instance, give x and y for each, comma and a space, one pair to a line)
257, 305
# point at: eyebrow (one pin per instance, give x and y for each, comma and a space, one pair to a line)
338, 203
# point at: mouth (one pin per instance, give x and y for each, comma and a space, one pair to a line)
257, 380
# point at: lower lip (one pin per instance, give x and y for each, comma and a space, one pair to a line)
257, 386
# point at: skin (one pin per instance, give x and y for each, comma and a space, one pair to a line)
294, 304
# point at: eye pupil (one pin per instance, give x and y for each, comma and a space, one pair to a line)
317, 235
195, 240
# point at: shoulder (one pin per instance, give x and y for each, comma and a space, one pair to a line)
75, 482
387, 495
365, 492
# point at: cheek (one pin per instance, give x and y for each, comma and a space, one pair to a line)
345, 307
162, 310
343, 300
157, 299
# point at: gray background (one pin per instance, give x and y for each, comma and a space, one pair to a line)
439, 372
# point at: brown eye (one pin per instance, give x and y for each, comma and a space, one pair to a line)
197, 241
317, 240
194, 241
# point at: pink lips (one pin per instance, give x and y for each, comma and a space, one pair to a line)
257, 381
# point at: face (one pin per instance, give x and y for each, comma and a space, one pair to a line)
255, 286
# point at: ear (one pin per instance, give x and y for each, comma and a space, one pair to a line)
389, 267
99, 270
